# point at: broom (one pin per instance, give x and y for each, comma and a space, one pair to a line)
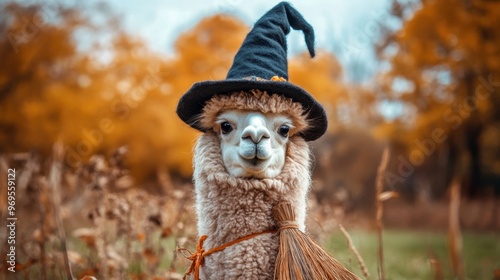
299, 257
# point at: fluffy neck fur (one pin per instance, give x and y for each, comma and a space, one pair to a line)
229, 208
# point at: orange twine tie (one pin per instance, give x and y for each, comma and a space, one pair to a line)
197, 257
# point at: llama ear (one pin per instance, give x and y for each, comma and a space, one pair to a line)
206, 120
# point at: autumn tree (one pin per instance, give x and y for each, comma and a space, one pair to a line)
203, 53
445, 72
322, 77
111, 94
116, 91
38, 63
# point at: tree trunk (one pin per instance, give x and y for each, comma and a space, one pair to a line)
472, 144
469, 144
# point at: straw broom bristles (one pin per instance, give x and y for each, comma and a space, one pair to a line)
299, 257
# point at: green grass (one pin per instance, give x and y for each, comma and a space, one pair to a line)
406, 253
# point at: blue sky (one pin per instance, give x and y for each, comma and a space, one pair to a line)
346, 28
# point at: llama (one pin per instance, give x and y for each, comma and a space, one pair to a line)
253, 153
248, 163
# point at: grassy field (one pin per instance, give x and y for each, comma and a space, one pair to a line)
408, 253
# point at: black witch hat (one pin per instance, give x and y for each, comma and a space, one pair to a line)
262, 58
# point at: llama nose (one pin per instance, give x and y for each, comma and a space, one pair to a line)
255, 133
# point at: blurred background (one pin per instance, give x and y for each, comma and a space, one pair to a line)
103, 165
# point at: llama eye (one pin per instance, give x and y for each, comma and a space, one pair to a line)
226, 127
283, 130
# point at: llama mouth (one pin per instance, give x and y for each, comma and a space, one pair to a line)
254, 163
255, 160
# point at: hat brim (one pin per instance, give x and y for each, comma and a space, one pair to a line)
192, 102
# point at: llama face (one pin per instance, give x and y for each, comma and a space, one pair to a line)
253, 144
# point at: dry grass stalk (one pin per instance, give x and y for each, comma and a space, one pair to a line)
436, 267
380, 211
355, 252
42, 213
56, 204
454, 233
101, 243
55, 199
129, 231
299, 257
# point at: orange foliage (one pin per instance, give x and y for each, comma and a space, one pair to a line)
320, 76
51, 90
444, 68
443, 51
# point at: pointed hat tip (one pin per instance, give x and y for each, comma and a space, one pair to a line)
298, 22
